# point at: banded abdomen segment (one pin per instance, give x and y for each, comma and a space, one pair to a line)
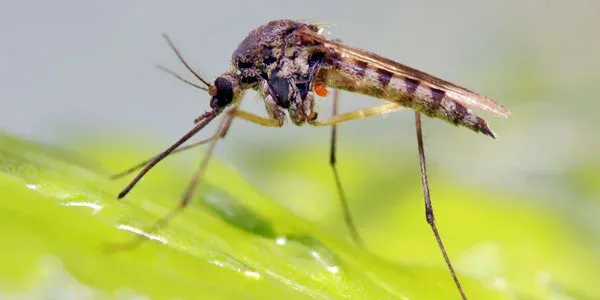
358, 76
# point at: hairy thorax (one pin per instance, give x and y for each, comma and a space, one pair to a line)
272, 60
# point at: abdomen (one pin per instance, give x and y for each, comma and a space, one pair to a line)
358, 76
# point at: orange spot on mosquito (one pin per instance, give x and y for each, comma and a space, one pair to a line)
321, 89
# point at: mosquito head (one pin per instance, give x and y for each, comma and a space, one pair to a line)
225, 90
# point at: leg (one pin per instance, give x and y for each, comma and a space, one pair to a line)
204, 119
198, 175
241, 114
197, 178
147, 161
338, 182
429, 208
379, 110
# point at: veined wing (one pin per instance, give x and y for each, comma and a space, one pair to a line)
453, 91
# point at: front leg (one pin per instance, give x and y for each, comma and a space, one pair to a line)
302, 109
307, 106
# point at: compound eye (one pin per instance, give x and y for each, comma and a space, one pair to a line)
221, 92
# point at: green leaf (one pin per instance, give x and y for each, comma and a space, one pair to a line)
59, 216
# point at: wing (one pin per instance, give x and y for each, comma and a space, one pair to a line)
453, 91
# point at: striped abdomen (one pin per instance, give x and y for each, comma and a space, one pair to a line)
358, 76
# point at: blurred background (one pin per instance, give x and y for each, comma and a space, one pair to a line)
74, 72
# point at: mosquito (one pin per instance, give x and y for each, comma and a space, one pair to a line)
287, 62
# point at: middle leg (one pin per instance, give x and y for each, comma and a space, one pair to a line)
338, 182
333, 121
379, 110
